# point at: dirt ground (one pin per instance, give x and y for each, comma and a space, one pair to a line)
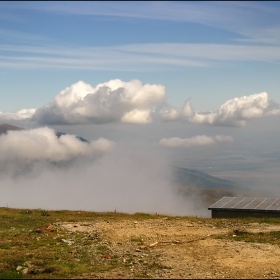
176, 248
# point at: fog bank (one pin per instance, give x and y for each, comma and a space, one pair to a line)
128, 179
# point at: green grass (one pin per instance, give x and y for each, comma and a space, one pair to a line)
260, 237
23, 239
10, 275
142, 215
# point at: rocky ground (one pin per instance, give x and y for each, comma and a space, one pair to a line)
175, 248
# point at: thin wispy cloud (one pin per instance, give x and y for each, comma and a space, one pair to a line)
208, 52
254, 38
166, 56
8, 35
240, 18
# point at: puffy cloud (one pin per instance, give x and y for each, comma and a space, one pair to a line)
19, 115
42, 144
137, 116
197, 141
113, 101
234, 112
133, 102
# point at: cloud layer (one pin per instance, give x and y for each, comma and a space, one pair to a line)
128, 179
113, 101
22, 150
19, 115
132, 102
196, 141
234, 112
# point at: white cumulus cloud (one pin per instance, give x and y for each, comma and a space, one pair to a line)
24, 149
113, 101
132, 102
196, 141
19, 115
234, 112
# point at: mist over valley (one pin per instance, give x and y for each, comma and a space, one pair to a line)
52, 169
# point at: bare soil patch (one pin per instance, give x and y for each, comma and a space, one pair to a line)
180, 248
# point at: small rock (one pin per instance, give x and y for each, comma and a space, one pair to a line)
24, 271
28, 263
69, 242
19, 268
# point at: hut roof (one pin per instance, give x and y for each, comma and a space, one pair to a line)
256, 204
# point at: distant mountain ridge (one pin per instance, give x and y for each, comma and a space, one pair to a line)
199, 179
58, 134
4, 128
194, 183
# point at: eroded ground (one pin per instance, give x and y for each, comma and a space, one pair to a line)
175, 248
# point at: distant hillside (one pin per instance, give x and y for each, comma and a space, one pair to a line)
199, 179
208, 188
4, 127
58, 134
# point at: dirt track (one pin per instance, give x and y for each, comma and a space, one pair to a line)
163, 248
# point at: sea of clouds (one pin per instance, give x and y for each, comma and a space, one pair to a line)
38, 169
41, 170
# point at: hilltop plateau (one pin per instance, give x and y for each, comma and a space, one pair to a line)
76, 244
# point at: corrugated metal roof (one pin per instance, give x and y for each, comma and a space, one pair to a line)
247, 204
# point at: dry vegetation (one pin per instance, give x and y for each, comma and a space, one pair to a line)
77, 244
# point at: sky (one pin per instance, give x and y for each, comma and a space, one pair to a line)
191, 84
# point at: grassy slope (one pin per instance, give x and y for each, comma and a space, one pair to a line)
24, 238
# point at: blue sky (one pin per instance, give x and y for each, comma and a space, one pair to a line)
196, 82
207, 51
